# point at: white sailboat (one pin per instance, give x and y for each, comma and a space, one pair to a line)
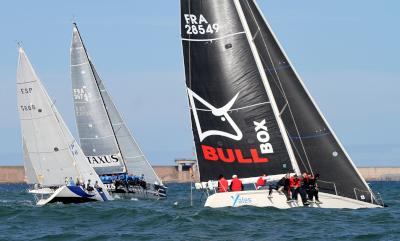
51, 154
105, 139
252, 114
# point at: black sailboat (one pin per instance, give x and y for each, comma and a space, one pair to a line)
250, 111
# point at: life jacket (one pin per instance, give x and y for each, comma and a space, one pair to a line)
260, 182
294, 182
222, 185
236, 185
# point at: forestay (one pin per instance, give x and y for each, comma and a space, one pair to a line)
94, 105
51, 153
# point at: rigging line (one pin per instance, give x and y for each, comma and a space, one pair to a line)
290, 111
236, 109
272, 76
283, 109
310, 137
212, 39
298, 153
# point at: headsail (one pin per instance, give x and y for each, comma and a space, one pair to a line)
50, 149
30, 175
100, 125
317, 149
234, 123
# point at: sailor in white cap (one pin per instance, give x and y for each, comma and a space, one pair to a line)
236, 184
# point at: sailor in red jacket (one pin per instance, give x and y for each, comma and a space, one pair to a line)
295, 188
261, 181
236, 184
222, 184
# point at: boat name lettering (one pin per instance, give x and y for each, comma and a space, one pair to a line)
263, 137
231, 155
199, 25
94, 160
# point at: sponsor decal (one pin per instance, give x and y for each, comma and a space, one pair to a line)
219, 112
240, 200
104, 161
231, 155
228, 155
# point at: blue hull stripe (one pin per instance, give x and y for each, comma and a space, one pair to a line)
102, 195
79, 191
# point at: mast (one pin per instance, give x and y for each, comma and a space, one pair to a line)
101, 96
267, 87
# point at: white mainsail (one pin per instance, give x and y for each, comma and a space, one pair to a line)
100, 125
51, 152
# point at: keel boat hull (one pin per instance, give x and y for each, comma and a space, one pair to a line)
73, 194
260, 198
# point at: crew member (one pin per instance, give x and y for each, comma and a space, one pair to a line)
71, 182
314, 189
305, 184
222, 184
295, 188
261, 181
236, 184
88, 186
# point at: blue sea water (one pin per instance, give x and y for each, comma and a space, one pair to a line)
175, 219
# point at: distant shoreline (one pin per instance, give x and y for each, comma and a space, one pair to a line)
170, 174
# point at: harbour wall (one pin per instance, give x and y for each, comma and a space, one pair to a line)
171, 174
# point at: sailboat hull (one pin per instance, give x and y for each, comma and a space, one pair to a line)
137, 192
259, 198
73, 194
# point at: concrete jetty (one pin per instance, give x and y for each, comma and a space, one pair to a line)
182, 174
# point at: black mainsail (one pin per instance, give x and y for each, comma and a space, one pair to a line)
234, 124
240, 82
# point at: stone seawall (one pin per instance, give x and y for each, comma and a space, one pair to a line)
169, 174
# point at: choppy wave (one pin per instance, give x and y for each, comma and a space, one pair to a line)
175, 219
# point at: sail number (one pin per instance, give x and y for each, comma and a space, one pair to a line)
199, 25
26, 90
28, 107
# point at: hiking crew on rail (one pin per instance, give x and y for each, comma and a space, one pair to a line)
290, 186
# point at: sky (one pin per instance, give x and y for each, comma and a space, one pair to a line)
345, 51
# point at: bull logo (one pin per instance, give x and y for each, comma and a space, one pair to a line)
221, 112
